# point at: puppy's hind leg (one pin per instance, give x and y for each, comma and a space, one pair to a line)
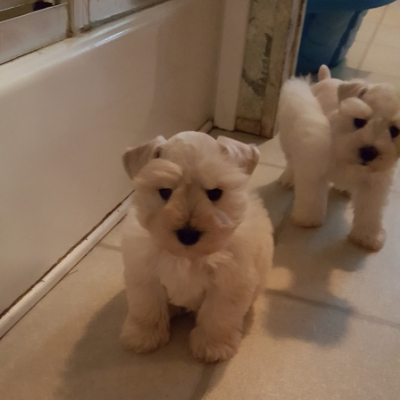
310, 201
147, 325
287, 178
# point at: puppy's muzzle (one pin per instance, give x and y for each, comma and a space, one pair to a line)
367, 154
188, 235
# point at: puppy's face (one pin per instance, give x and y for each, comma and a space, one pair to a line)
190, 193
366, 126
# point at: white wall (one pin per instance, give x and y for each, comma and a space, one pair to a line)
68, 112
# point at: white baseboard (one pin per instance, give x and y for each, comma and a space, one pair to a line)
16, 312
206, 128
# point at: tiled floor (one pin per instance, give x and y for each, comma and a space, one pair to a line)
327, 326
375, 55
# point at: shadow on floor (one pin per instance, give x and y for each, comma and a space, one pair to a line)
277, 201
99, 368
241, 136
310, 257
343, 72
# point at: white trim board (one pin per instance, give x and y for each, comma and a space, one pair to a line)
79, 14
233, 43
207, 127
37, 292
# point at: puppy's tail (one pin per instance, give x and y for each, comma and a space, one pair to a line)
324, 73
301, 119
296, 96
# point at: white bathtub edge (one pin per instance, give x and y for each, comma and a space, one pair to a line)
27, 302
15, 313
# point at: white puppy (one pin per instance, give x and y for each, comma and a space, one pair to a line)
346, 133
197, 238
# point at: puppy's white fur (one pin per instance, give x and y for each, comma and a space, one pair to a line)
322, 145
219, 276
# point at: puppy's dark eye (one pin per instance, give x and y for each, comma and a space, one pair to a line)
359, 122
394, 131
165, 193
214, 194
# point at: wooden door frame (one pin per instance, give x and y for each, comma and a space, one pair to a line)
288, 17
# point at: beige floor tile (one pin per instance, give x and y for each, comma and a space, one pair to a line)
270, 150
342, 71
67, 347
320, 265
356, 54
271, 153
366, 32
112, 240
392, 16
382, 60
379, 78
276, 199
328, 327
375, 14
396, 184
388, 35
300, 351
240, 136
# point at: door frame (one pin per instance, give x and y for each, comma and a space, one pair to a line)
289, 16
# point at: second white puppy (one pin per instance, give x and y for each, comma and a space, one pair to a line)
197, 238
345, 133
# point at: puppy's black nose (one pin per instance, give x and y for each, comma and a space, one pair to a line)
368, 153
188, 235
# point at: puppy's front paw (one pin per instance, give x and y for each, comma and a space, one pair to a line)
208, 349
368, 241
309, 221
143, 339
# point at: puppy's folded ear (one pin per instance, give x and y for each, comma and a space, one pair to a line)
135, 159
355, 108
352, 89
246, 156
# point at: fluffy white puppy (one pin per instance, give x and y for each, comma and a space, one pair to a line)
197, 238
346, 133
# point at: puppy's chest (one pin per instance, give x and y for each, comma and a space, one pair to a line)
343, 177
185, 282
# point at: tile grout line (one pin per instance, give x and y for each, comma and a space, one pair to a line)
349, 312
395, 191
370, 42
109, 247
281, 225
204, 381
270, 165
